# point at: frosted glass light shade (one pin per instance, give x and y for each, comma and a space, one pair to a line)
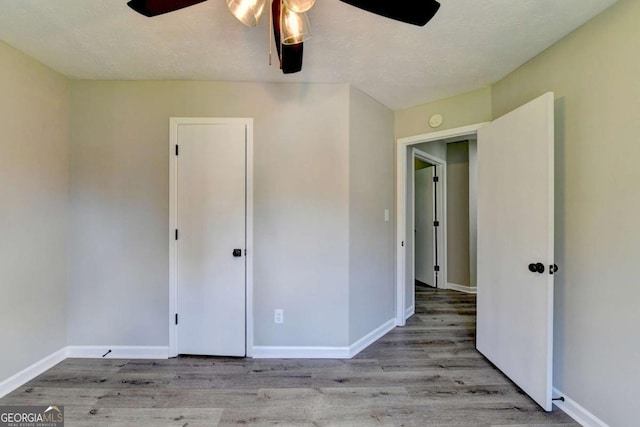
299, 6
247, 11
294, 26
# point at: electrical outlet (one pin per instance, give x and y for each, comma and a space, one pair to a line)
278, 315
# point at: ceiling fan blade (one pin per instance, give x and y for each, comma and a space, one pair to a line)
416, 12
290, 54
158, 7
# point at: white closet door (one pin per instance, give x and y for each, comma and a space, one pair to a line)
211, 216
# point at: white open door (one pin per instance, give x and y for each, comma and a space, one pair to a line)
211, 232
515, 236
424, 229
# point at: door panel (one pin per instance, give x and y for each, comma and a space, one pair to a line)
211, 223
424, 230
515, 228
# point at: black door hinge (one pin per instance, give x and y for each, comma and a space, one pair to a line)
176, 318
436, 268
436, 223
177, 149
436, 179
176, 234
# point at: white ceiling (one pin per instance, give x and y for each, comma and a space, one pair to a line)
469, 44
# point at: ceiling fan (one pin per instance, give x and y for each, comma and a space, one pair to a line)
289, 20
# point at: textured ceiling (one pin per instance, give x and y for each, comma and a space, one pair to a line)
468, 45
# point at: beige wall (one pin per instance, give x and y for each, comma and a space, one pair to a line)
371, 239
458, 214
34, 117
120, 199
473, 212
466, 109
594, 74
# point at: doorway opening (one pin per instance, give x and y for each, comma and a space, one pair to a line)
426, 246
432, 149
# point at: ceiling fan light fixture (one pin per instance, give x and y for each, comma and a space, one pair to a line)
299, 6
295, 27
247, 11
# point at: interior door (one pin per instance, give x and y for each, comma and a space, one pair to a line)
424, 229
515, 232
211, 216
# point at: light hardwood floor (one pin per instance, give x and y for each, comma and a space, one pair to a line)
425, 374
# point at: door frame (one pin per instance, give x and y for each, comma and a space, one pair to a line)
402, 145
441, 212
174, 122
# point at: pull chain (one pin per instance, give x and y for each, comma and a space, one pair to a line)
270, 29
280, 25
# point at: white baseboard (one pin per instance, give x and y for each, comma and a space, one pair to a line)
117, 352
577, 411
89, 352
371, 337
282, 352
462, 288
409, 312
29, 373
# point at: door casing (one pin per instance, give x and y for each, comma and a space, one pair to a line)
402, 147
174, 123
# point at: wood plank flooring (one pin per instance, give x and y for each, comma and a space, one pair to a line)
425, 374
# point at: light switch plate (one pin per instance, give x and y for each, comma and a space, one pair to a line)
278, 315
